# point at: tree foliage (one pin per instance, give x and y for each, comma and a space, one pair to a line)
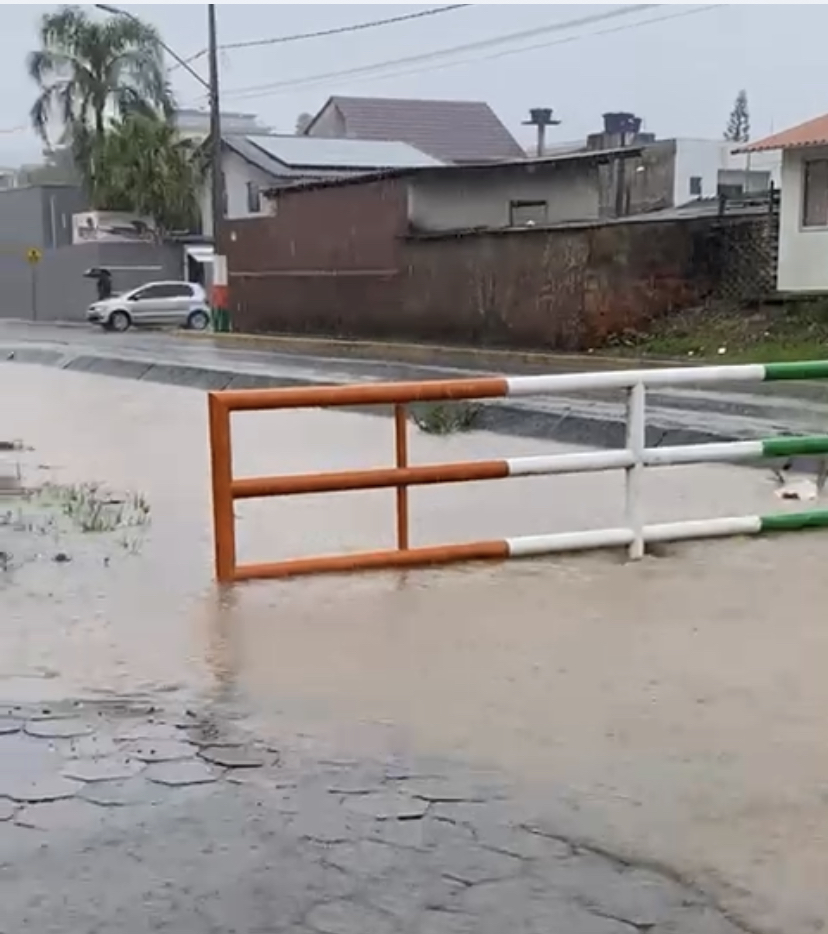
303, 121
146, 168
87, 68
103, 82
738, 124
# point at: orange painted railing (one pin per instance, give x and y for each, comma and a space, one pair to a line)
227, 489
634, 459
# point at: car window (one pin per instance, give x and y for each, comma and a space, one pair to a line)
163, 290
177, 290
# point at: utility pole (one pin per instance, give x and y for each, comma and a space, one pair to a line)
220, 296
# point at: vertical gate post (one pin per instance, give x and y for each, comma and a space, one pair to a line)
401, 438
636, 445
221, 461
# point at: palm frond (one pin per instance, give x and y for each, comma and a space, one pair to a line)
39, 114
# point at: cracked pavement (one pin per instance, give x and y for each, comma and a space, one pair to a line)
117, 817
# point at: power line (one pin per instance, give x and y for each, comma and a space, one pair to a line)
540, 45
367, 72
335, 31
427, 57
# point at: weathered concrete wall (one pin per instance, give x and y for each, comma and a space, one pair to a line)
339, 262
558, 289
38, 216
55, 289
440, 202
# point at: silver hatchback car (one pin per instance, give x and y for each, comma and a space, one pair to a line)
174, 304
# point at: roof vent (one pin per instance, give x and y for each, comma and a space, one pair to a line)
622, 123
542, 118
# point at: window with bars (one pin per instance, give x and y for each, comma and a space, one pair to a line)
522, 213
254, 198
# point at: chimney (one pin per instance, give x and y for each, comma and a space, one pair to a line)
542, 118
621, 129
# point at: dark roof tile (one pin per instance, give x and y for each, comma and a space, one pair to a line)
452, 131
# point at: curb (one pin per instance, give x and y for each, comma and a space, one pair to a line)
427, 354
565, 426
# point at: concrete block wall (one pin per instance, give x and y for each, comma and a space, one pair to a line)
55, 289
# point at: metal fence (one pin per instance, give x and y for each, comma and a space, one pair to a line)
635, 458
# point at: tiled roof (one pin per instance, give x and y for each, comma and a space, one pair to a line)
452, 131
812, 133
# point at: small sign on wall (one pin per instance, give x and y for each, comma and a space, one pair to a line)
111, 227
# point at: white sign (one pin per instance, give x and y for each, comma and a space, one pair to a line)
111, 227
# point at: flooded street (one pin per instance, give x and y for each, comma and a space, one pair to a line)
674, 707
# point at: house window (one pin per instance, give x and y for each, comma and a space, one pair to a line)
815, 201
696, 182
525, 213
254, 198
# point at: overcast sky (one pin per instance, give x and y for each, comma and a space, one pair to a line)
680, 73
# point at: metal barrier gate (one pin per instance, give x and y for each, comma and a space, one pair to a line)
634, 459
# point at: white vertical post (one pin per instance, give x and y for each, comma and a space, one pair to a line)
636, 445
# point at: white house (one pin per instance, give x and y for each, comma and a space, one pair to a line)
705, 168
253, 164
803, 213
195, 124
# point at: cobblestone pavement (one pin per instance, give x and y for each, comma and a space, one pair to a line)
117, 818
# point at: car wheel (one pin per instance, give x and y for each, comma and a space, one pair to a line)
198, 321
119, 321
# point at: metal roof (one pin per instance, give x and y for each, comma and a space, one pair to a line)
811, 133
452, 131
273, 152
593, 156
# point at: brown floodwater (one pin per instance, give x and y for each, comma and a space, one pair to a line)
676, 706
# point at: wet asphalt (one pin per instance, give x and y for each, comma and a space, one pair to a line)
687, 415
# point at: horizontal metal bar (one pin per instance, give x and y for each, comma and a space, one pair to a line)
535, 545
626, 379
374, 561
382, 478
531, 546
588, 462
313, 397
703, 453
700, 529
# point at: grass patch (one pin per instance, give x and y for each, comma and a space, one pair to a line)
447, 418
774, 333
88, 508
92, 508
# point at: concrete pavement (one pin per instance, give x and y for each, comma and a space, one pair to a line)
119, 817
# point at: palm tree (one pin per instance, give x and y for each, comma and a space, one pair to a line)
145, 167
87, 69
